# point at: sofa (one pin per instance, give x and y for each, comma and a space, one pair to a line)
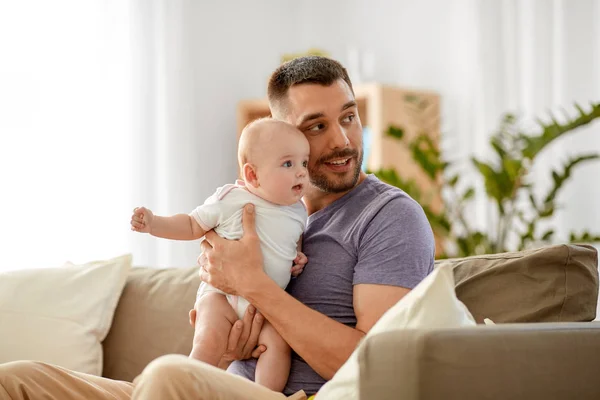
542, 344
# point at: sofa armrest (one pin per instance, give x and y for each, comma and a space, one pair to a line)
512, 361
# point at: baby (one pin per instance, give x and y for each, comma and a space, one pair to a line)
273, 158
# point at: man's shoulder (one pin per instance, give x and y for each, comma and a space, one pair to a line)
390, 199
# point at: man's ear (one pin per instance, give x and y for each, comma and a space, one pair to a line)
249, 174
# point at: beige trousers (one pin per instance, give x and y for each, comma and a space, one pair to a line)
172, 377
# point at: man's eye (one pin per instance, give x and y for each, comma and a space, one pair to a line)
316, 127
287, 164
349, 118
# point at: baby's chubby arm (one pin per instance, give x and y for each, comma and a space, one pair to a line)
300, 260
175, 227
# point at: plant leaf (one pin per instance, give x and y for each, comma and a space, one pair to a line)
559, 178
491, 179
497, 145
547, 212
548, 235
395, 131
579, 109
584, 237
527, 236
453, 181
554, 130
532, 201
427, 155
468, 194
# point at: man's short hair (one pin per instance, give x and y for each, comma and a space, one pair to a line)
310, 69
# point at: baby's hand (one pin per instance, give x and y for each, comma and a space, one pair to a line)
299, 263
141, 220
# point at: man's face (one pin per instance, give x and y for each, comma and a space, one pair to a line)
328, 116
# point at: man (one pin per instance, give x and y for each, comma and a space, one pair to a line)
367, 245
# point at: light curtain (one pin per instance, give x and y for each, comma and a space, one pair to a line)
65, 123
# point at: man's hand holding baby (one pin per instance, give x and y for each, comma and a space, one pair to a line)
233, 266
242, 343
243, 338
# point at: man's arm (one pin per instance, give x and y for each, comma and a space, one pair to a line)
236, 267
322, 342
372, 301
325, 344
395, 252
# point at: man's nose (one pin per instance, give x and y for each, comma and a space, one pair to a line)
338, 137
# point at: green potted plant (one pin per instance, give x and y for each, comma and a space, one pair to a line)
506, 183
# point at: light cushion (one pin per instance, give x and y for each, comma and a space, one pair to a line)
430, 305
549, 284
151, 320
60, 315
509, 361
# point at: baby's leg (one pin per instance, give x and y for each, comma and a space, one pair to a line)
273, 367
214, 319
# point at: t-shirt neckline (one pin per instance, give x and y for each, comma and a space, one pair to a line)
342, 200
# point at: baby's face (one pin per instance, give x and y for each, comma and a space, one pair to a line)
282, 168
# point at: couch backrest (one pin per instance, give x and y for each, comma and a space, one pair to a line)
551, 284
151, 320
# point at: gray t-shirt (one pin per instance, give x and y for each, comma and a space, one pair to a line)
375, 234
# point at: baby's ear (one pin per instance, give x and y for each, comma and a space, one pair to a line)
249, 174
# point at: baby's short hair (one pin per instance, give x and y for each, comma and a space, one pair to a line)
253, 134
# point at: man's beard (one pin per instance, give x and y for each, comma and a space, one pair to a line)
320, 180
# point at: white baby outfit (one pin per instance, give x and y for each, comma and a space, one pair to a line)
278, 227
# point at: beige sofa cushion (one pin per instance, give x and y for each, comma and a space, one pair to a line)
509, 361
549, 284
60, 315
151, 320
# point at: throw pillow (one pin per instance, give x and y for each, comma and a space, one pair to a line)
549, 284
60, 315
432, 304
